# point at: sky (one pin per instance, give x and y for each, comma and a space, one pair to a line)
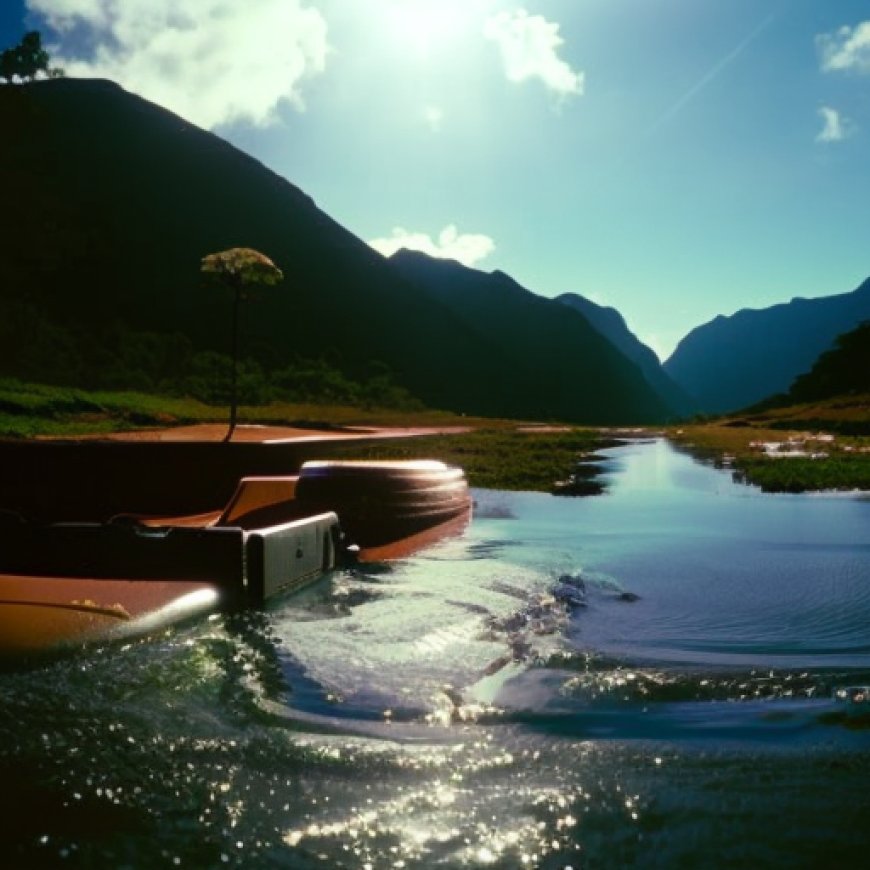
676, 159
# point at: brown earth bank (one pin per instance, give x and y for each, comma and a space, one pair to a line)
268, 434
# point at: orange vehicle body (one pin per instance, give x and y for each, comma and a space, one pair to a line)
71, 582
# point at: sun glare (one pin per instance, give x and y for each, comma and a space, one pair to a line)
424, 26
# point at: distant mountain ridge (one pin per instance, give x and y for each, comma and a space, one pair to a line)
737, 361
116, 200
611, 324
571, 356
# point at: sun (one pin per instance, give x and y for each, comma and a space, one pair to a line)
423, 27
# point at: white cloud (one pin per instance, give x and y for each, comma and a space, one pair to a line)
211, 61
467, 248
529, 49
846, 49
834, 127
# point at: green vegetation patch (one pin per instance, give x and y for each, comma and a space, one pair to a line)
496, 458
837, 453
802, 474
30, 410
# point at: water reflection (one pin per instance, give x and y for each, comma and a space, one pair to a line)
723, 575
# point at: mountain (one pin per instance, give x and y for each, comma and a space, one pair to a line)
110, 202
733, 362
116, 200
573, 361
611, 324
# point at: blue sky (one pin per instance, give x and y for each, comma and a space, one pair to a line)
676, 159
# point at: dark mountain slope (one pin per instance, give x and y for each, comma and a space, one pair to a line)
574, 362
732, 362
843, 370
111, 201
116, 200
611, 324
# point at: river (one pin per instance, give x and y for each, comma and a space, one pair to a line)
667, 675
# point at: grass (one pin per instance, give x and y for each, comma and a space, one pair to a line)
838, 472
834, 435
500, 458
845, 415
30, 410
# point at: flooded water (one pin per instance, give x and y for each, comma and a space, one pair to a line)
669, 675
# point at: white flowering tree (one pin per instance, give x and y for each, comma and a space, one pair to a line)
242, 270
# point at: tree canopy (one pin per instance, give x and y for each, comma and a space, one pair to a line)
24, 61
242, 269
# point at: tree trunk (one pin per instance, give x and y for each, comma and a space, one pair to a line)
235, 377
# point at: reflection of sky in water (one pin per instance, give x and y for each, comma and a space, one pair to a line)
724, 575
680, 567
519, 690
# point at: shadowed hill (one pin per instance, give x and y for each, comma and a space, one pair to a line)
611, 324
116, 200
572, 358
733, 362
843, 370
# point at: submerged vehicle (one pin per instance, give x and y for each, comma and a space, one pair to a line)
68, 582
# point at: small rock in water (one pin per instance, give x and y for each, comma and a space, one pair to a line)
567, 593
576, 486
573, 580
628, 596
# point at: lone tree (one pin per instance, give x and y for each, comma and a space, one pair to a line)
25, 60
242, 270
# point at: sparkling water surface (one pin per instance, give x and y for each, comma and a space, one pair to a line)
668, 675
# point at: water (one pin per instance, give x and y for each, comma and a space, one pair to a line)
664, 676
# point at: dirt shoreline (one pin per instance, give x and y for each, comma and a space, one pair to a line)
269, 434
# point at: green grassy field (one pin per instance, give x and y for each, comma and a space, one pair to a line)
495, 453
498, 458
30, 410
